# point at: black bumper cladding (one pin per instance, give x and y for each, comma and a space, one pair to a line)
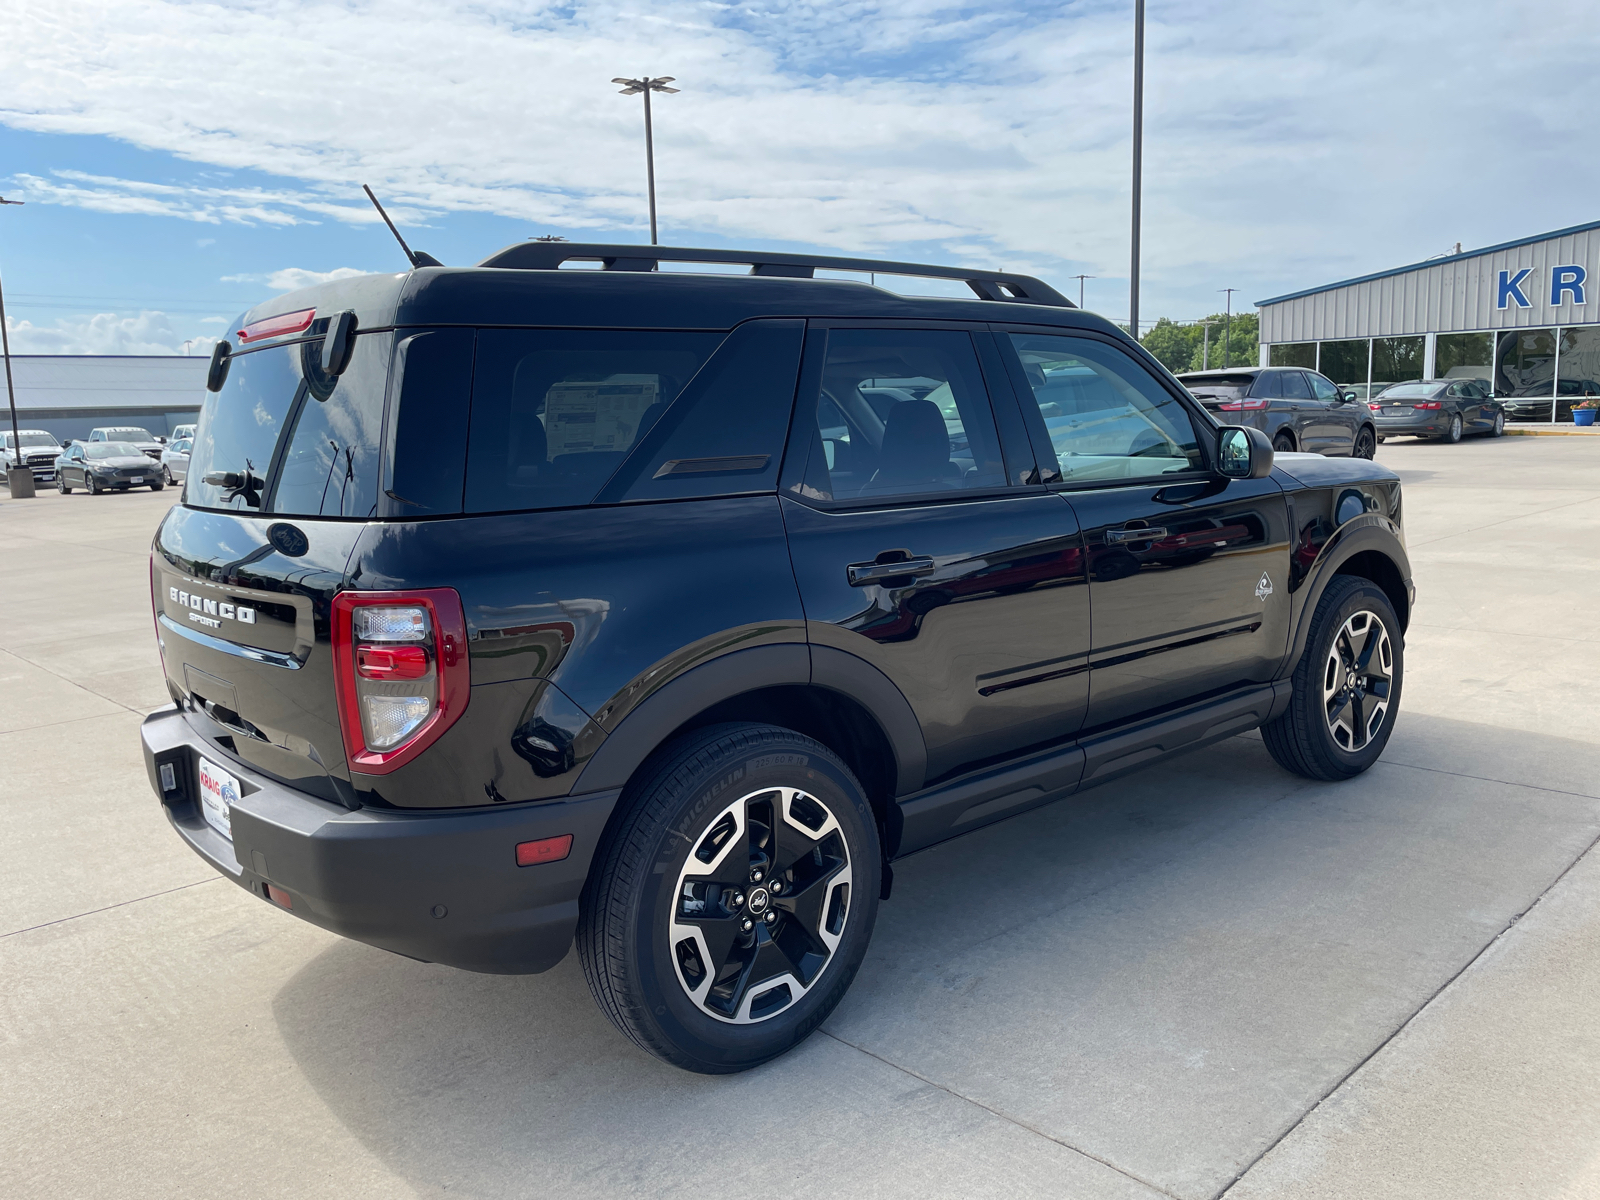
439, 887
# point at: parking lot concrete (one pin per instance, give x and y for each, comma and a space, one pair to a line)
1211, 978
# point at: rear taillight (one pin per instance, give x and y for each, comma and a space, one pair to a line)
400, 673
1242, 405
1375, 407
1428, 404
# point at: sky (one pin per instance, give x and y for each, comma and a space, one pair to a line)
181, 161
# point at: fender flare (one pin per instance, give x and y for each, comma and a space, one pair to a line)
1368, 532
794, 664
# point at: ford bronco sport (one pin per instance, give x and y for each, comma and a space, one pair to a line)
512, 605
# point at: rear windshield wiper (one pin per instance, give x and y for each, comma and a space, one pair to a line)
244, 483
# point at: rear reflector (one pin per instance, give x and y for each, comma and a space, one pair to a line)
550, 849
1241, 405
278, 896
391, 662
271, 327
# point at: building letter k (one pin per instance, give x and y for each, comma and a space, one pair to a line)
1511, 289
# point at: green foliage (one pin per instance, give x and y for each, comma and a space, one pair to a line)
1182, 347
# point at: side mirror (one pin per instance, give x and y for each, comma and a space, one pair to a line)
161, 439
1346, 397
66, 443
338, 342
1244, 453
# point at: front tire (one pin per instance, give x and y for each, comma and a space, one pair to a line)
62, 485
732, 900
1346, 686
94, 487
157, 486
1366, 445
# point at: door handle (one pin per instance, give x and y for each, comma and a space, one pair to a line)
1149, 533
864, 573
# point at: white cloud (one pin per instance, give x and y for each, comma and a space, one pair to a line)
103, 333
292, 278
1285, 144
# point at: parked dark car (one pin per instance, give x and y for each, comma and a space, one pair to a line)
1540, 407
1444, 409
106, 466
38, 452
510, 606
1296, 408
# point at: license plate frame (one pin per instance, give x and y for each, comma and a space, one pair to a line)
1398, 410
137, 479
219, 792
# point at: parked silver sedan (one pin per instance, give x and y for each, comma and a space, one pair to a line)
175, 460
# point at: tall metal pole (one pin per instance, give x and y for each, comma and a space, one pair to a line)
1138, 161
1205, 347
650, 163
1227, 330
1080, 279
11, 395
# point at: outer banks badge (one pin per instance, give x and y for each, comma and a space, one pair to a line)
1264, 587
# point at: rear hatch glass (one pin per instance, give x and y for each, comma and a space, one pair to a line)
1212, 390
284, 437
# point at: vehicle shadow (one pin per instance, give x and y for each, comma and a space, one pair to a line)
1167, 972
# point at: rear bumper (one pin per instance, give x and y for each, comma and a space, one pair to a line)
1412, 427
440, 887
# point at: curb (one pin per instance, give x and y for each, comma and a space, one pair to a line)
1574, 432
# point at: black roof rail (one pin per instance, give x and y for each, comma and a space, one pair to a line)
987, 285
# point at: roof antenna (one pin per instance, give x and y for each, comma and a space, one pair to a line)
417, 257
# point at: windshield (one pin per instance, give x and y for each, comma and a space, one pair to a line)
31, 439
1220, 387
114, 450
293, 439
1411, 391
130, 433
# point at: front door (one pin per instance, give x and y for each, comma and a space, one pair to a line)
914, 552
1188, 570
1335, 419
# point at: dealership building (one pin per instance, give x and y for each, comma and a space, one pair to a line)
1523, 316
67, 395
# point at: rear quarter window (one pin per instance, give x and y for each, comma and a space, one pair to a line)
301, 443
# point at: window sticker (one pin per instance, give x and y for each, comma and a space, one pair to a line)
581, 417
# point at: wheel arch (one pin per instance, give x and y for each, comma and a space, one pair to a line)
1368, 547
840, 700
1287, 430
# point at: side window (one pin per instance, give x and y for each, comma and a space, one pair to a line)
724, 436
1294, 385
554, 412
1267, 385
901, 412
1107, 416
1323, 389
428, 421
330, 464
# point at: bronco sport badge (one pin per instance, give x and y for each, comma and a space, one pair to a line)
1264, 588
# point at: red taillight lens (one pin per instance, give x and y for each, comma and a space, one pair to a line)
391, 662
271, 327
1428, 404
550, 849
1375, 407
1243, 405
278, 896
400, 673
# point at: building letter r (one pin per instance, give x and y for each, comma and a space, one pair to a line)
1567, 279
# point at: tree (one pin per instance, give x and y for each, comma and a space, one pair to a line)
1182, 347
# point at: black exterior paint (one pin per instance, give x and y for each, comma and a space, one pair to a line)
1034, 658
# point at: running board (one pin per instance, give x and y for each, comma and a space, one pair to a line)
939, 813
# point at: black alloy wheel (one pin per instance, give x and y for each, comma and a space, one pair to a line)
1283, 443
1366, 443
1346, 685
733, 897
1453, 434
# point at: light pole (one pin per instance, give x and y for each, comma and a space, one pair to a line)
1205, 347
634, 87
1227, 329
187, 344
19, 479
1080, 279
1138, 161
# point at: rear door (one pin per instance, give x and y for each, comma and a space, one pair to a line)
1305, 414
922, 548
1188, 570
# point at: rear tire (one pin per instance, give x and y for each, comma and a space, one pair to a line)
1283, 443
1453, 434
1499, 429
1346, 686
711, 836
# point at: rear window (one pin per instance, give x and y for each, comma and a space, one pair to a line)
1410, 391
555, 412
297, 441
1219, 387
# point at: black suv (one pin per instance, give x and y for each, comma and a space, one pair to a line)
1299, 410
513, 604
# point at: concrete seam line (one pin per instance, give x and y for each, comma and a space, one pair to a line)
1007, 1117
120, 904
1533, 787
73, 682
1506, 521
5, 733
1406, 1024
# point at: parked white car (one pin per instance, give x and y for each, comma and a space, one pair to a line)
175, 460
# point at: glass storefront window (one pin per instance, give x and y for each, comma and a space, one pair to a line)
1525, 363
1464, 356
1345, 362
1295, 354
1578, 371
1396, 359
